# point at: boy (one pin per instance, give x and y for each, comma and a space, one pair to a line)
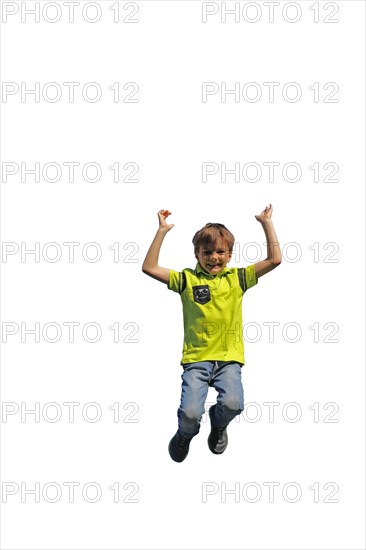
213, 348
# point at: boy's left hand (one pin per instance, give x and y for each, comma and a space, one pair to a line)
265, 215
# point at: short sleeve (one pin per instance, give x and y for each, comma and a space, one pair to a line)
175, 278
251, 278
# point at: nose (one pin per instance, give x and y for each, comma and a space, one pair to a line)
213, 257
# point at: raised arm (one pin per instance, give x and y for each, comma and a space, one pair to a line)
274, 256
150, 265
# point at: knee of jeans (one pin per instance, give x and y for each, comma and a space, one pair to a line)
191, 413
233, 405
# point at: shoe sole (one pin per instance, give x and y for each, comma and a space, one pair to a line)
216, 452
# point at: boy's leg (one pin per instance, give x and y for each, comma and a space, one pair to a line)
230, 400
195, 384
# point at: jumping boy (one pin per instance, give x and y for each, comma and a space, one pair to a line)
213, 348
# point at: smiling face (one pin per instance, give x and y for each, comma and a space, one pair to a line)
213, 259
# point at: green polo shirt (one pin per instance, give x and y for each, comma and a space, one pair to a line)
212, 312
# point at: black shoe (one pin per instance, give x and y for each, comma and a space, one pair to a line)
217, 440
179, 447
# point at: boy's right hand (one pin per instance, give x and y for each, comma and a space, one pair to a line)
162, 215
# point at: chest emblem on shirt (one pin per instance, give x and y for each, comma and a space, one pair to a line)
201, 294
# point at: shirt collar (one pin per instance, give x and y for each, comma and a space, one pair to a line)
199, 269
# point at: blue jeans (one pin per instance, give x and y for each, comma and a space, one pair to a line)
225, 377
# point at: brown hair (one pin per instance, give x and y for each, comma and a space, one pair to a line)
210, 234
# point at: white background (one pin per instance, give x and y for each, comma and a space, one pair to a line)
169, 133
